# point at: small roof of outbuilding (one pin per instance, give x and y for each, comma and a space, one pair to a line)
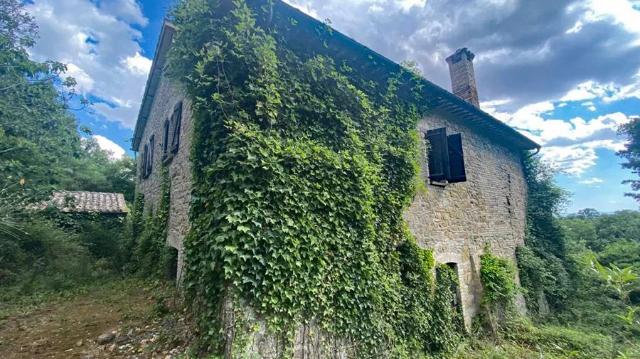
86, 202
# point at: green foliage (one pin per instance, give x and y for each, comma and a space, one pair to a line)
40, 148
631, 153
302, 170
150, 232
525, 341
542, 266
562, 342
623, 253
498, 291
498, 280
603, 250
43, 258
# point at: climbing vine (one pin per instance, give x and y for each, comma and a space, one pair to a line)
499, 290
302, 170
150, 231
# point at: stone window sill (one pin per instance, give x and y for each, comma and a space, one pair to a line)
439, 183
167, 158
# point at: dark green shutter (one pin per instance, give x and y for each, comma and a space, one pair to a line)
456, 159
145, 159
165, 137
438, 154
152, 145
177, 123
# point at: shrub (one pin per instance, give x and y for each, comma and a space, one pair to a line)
48, 259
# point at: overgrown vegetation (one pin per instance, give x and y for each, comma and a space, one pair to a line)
499, 290
302, 172
579, 272
42, 150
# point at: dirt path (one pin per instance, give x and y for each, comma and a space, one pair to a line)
69, 328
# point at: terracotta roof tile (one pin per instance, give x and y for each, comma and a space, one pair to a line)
87, 202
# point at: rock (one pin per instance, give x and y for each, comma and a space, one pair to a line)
112, 347
122, 339
79, 343
105, 338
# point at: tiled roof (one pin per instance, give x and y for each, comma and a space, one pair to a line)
87, 202
343, 49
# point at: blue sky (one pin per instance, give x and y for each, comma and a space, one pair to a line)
564, 72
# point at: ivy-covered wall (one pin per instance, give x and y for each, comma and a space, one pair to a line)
304, 158
302, 168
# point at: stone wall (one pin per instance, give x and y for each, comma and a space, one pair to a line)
459, 219
168, 94
456, 220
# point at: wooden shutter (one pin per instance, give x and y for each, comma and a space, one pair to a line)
152, 144
145, 154
456, 159
177, 123
438, 154
165, 137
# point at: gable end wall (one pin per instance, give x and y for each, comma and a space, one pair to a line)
457, 220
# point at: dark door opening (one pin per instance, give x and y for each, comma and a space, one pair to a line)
452, 275
172, 263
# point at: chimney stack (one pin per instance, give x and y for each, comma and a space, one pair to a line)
463, 80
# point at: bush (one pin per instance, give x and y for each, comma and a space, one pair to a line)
563, 341
498, 280
46, 258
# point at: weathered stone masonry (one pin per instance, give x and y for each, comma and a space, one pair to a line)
459, 219
456, 220
167, 95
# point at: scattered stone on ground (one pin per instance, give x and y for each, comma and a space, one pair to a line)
106, 338
116, 321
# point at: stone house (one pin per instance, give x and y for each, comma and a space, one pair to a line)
476, 190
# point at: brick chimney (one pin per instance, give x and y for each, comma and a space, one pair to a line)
463, 80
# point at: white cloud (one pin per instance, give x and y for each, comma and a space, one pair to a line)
573, 160
621, 12
575, 28
589, 105
116, 152
127, 10
568, 145
138, 64
101, 48
83, 80
591, 181
406, 5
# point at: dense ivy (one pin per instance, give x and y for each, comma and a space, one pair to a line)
543, 268
498, 280
302, 170
499, 291
149, 232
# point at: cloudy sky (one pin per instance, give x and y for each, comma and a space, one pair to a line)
566, 73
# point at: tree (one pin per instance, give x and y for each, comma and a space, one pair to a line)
632, 154
38, 137
542, 263
40, 147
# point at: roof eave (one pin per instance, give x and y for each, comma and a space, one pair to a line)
159, 57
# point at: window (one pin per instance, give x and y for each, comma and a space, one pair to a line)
176, 119
152, 142
446, 159
145, 154
165, 138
